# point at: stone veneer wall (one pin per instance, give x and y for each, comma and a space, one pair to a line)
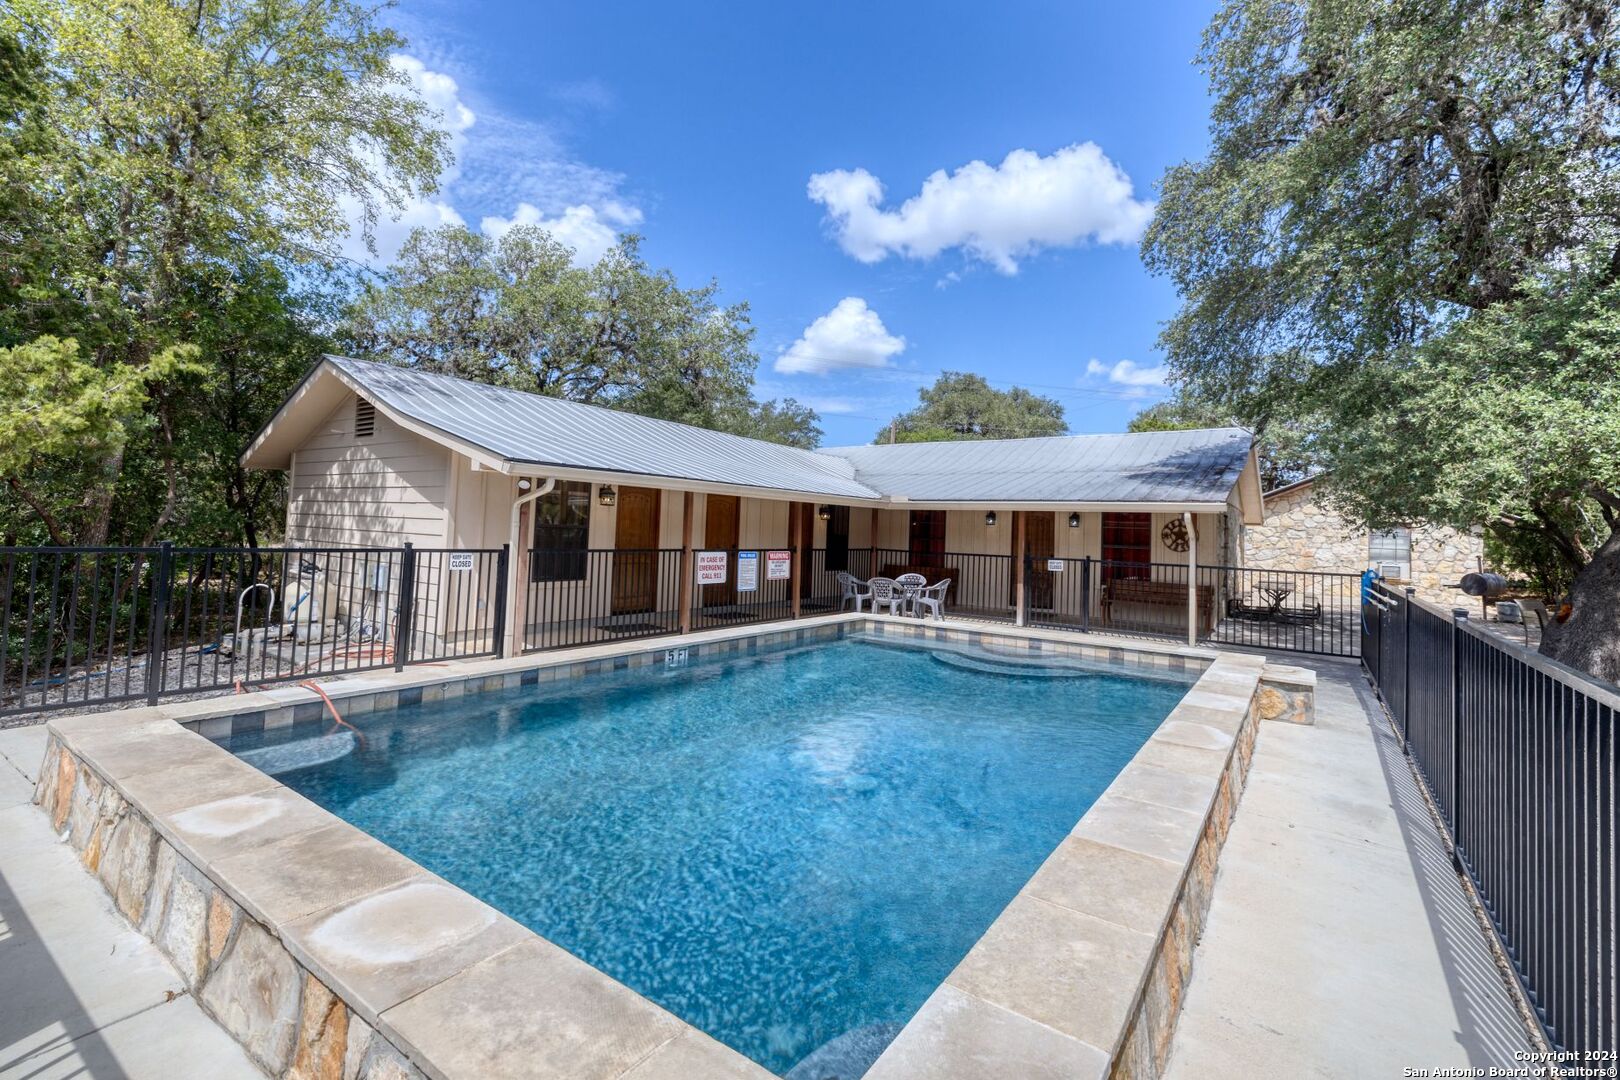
290, 1023
1146, 1048
1301, 534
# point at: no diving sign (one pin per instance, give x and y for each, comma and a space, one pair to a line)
778, 565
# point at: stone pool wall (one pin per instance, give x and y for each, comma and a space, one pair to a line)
290, 1023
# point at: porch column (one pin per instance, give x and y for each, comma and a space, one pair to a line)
1020, 614
684, 594
796, 542
872, 546
1192, 578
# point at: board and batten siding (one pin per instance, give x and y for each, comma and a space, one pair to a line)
373, 491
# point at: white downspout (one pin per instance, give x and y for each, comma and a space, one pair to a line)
1192, 578
515, 561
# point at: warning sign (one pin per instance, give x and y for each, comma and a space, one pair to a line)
747, 571
778, 565
711, 567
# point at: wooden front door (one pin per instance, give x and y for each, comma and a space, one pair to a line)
1039, 546
720, 519
635, 559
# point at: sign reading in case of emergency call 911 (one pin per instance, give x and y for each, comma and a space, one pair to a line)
778, 565
711, 567
747, 571
461, 560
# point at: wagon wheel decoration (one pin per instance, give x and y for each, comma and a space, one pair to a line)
1174, 535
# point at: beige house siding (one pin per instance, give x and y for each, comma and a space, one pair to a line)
377, 491
1301, 534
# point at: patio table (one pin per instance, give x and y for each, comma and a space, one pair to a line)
1274, 592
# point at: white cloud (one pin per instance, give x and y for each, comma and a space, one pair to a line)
589, 230
998, 214
1130, 373
498, 159
849, 336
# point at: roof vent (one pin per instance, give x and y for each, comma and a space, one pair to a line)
365, 418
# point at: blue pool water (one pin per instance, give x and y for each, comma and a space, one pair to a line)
780, 849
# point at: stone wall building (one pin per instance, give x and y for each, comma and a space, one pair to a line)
1299, 533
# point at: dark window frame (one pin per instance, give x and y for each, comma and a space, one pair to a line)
838, 539
928, 527
1127, 538
561, 533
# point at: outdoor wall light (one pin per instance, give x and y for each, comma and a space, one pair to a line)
607, 496
990, 517
524, 485
824, 513
1074, 521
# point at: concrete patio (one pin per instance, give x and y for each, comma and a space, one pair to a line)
1340, 942
85, 994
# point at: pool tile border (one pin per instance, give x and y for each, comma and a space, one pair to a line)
350, 965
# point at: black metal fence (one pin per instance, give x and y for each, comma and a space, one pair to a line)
1519, 755
93, 626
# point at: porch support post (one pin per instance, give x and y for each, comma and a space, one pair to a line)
684, 594
872, 545
1020, 599
796, 542
1192, 578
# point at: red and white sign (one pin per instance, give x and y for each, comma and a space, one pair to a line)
711, 567
778, 565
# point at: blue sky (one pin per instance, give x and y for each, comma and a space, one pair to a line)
787, 151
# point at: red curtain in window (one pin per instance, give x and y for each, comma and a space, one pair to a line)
1127, 545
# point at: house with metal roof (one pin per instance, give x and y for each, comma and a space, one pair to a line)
619, 524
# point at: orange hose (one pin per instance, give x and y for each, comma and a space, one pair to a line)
311, 684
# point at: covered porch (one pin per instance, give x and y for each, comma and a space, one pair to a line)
601, 560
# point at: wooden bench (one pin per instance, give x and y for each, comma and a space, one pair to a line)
1158, 594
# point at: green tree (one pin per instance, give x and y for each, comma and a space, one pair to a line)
1405, 240
516, 311
961, 405
160, 149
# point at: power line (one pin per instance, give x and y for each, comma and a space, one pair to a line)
1098, 391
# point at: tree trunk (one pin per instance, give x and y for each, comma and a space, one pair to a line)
1590, 639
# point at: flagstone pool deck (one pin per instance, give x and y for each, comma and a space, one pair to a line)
1339, 942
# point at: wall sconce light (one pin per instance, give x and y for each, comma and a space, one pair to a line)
1074, 521
524, 485
824, 513
990, 517
607, 496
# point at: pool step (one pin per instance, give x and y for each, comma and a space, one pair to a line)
1014, 668
300, 754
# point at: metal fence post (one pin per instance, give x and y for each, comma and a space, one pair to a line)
502, 569
407, 607
1085, 593
156, 629
1406, 667
1458, 617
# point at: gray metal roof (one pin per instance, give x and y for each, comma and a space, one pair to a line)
524, 428
539, 430
1150, 467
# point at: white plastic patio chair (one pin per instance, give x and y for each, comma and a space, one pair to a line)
932, 598
888, 593
852, 588
910, 586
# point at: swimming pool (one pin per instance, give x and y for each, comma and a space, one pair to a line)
789, 851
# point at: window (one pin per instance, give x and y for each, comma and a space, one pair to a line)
1391, 552
561, 532
365, 418
1128, 539
837, 539
927, 537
